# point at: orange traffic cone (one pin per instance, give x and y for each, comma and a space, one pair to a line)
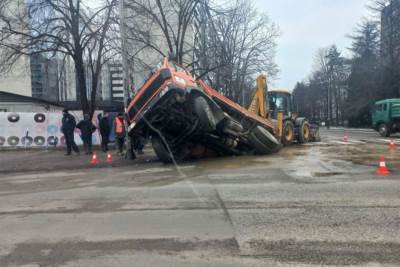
94, 158
345, 137
382, 170
392, 144
109, 157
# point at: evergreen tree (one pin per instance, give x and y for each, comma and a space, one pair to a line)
364, 79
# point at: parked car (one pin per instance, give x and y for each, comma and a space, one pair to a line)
386, 117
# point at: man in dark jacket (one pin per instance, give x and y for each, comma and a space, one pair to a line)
68, 127
87, 128
104, 128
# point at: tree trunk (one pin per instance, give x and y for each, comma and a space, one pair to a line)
81, 93
93, 99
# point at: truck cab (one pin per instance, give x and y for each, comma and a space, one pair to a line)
386, 117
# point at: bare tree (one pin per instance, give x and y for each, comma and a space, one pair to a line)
227, 44
156, 29
332, 71
324, 95
66, 27
238, 44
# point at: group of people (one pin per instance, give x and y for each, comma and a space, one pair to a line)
87, 128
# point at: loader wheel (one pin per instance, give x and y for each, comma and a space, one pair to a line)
383, 130
163, 154
304, 132
263, 141
288, 133
205, 114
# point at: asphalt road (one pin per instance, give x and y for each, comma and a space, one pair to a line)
317, 204
367, 135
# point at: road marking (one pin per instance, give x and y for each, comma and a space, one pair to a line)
37, 176
356, 142
350, 142
156, 170
349, 130
316, 144
339, 142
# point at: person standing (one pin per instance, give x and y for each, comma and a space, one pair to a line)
104, 128
87, 128
68, 125
138, 144
119, 130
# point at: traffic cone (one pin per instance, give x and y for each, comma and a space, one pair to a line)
109, 157
345, 137
392, 144
382, 170
94, 158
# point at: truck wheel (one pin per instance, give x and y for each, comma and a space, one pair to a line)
232, 127
383, 130
163, 154
263, 141
205, 114
287, 133
304, 132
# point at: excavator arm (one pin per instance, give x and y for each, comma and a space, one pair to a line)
259, 104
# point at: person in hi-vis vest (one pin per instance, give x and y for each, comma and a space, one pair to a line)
119, 131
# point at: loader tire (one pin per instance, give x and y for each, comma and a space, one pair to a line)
304, 132
163, 154
263, 142
288, 133
205, 114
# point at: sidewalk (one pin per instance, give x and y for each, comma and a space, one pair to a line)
362, 130
13, 161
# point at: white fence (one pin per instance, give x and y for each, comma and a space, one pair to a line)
36, 130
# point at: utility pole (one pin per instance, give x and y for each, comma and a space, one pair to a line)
130, 154
329, 83
124, 54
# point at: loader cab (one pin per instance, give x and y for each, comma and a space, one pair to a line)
279, 100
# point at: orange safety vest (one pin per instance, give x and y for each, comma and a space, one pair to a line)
119, 126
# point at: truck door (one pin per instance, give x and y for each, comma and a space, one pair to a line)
378, 114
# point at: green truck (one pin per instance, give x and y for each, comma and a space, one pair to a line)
386, 116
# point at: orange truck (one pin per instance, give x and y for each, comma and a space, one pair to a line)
186, 118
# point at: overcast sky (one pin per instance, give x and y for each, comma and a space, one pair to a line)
307, 25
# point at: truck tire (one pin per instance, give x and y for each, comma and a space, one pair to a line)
205, 114
287, 133
163, 154
232, 127
383, 130
304, 132
263, 141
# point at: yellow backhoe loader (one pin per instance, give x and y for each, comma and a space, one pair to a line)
277, 105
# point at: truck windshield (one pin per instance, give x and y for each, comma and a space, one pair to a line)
145, 75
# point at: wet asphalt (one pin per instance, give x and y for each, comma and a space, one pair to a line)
316, 204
